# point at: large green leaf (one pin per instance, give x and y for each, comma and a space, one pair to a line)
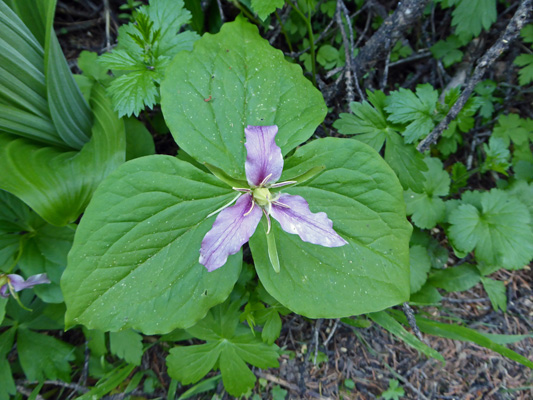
363, 198
495, 225
58, 184
134, 262
231, 80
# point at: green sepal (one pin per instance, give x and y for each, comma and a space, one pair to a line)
221, 175
272, 248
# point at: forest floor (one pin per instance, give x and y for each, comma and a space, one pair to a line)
358, 362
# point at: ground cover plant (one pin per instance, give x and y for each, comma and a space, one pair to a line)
249, 199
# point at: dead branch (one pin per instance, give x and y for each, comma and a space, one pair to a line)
379, 45
511, 33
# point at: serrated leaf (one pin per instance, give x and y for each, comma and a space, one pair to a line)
527, 33
169, 16
238, 80
511, 128
455, 279
523, 191
420, 266
134, 261
416, 110
497, 156
127, 345
44, 357
263, 8
496, 227
448, 50
470, 16
88, 63
134, 91
406, 162
525, 74
426, 208
368, 122
497, 293
365, 268
121, 60
460, 177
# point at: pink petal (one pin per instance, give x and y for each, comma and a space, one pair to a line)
19, 284
264, 156
230, 231
298, 219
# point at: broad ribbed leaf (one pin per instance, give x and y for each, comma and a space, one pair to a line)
58, 184
362, 196
134, 262
23, 99
68, 109
231, 80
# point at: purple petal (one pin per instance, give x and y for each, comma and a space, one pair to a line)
298, 219
264, 156
230, 231
19, 284
3, 291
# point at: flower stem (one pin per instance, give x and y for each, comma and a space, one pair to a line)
307, 20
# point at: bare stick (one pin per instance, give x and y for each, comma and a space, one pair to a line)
511, 33
378, 46
347, 52
410, 315
107, 13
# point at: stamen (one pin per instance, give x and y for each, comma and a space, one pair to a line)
250, 210
244, 190
268, 221
226, 206
264, 182
280, 184
281, 204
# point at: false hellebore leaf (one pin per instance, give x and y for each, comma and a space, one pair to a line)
235, 225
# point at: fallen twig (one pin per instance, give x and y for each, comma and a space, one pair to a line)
378, 46
511, 33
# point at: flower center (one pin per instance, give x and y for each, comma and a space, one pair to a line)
262, 196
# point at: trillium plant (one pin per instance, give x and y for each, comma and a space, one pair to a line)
235, 225
163, 236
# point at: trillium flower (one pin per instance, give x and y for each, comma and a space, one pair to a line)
235, 225
15, 283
